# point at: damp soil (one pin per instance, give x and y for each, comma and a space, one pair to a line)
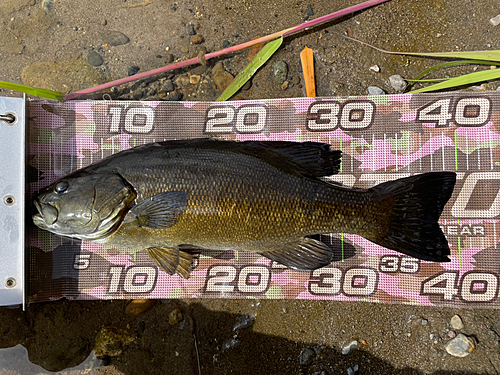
47, 44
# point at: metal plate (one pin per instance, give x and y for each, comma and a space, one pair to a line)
12, 189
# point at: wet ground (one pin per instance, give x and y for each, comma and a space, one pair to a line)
48, 45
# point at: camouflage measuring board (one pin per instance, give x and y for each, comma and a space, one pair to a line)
382, 138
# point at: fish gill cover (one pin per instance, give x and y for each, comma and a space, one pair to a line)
382, 138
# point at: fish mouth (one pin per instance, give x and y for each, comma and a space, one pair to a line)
47, 214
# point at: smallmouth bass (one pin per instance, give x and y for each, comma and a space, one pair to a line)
264, 197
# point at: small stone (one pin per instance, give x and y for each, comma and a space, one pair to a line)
375, 68
175, 316
460, 346
197, 26
495, 21
169, 58
222, 78
310, 11
168, 86
104, 22
174, 6
182, 81
284, 86
196, 39
247, 85
306, 356
425, 322
456, 322
139, 306
397, 82
452, 334
225, 44
114, 38
191, 30
194, 79
184, 49
177, 97
280, 70
374, 90
353, 369
137, 94
432, 336
94, 59
133, 70
349, 348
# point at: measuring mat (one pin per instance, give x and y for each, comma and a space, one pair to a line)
382, 138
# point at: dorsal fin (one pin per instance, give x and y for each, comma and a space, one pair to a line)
317, 158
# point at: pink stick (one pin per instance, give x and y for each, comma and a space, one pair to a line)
211, 55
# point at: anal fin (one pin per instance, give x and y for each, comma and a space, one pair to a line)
172, 260
303, 254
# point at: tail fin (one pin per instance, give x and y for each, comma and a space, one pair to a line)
414, 205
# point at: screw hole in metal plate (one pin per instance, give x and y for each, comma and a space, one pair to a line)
10, 282
9, 200
9, 118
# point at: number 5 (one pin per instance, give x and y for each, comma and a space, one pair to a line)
82, 261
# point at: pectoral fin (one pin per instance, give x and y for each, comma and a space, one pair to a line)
161, 210
172, 260
303, 254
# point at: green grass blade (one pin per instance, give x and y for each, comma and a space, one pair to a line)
472, 55
264, 54
42, 93
454, 63
467, 79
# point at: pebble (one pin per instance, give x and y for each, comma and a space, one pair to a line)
456, 322
424, 322
139, 306
353, 369
284, 86
184, 49
495, 21
452, 334
94, 59
310, 11
460, 346
222, 78
306, 356
194, 79
397, 82
137, 94
168, 86
133, 70
169, 58
225, 44
374, 90
280, 70
114, 38
196, 39
191, 30
182, 81
104, 22
177, 97
375, 68
349, 347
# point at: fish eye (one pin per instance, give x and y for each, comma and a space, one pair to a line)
61, 187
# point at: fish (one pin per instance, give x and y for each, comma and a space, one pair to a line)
173, 198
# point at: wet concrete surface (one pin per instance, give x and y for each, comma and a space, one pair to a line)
393, 339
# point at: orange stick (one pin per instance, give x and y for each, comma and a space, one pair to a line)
307, 60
